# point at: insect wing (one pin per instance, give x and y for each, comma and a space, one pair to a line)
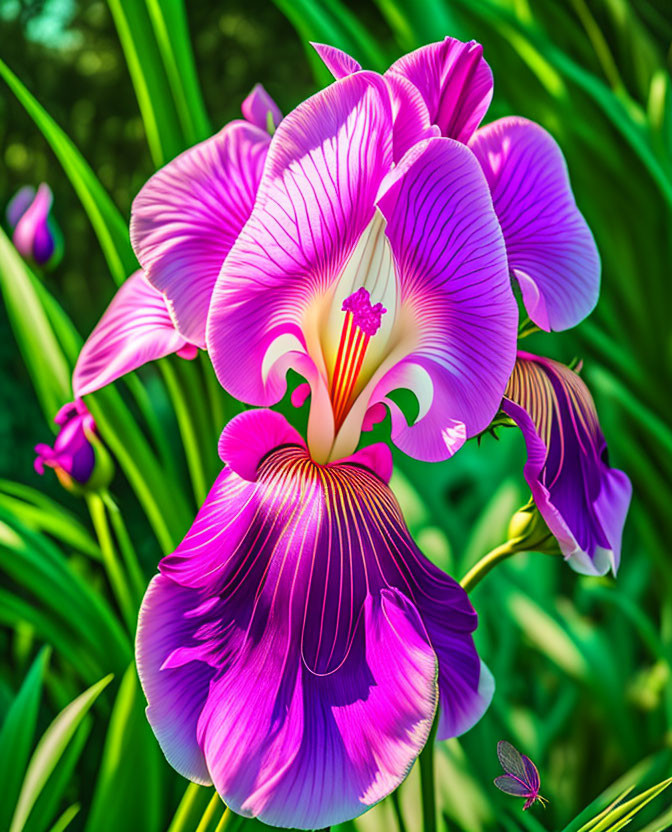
512, 785
531, 774
511, 760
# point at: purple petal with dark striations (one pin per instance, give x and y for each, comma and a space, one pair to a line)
317, 625
583, 501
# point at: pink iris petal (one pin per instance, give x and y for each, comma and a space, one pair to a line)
310, 642
551, 251
135, 328
257, 107
317, 195
339, 63
188, 215
454, 81
410, 114
453, 276
583, 501
32, 236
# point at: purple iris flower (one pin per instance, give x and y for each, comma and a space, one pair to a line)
583, 501
36, 236
72, 457
445, 89
296, 645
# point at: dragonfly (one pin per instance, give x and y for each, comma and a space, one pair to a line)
521, 778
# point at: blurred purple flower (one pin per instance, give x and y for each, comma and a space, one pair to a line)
445, 89
295, 646
77, 455
583, 501
36, 236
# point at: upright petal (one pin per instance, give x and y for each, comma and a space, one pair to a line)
308, 598
456, 296
583, 501
188, 215
551, 252
259, 106
455, 82
324, 168
135, 328
339, 63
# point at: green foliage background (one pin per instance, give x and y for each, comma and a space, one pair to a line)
583, 666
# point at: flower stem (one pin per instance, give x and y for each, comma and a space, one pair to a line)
208, 815
184, 810
396, 805
479, 570
113, 568
128, 553
427, 782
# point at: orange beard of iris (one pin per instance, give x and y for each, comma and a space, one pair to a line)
362, 321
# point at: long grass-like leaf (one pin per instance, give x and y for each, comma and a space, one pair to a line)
152, 88
50, 750
16, 736
41, 352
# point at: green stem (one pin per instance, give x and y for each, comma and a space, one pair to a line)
396, 805
208, 815
477, 572
427, 782
187, 431
114, 571
128, 553
183, 814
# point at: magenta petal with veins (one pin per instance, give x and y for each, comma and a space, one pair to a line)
296, 645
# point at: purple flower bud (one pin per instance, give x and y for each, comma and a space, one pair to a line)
77, 454
36, 235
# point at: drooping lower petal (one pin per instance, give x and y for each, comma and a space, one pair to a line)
583, 501
551, 251
321, 625
135, 328
454, 81
188, 215
461, 315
